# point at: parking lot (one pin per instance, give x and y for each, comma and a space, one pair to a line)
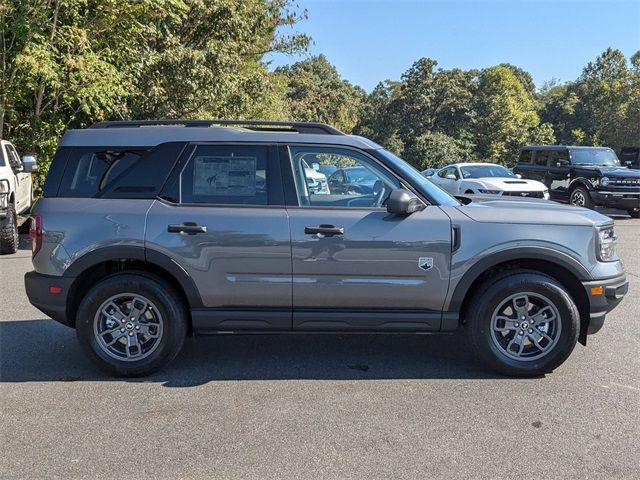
327, 406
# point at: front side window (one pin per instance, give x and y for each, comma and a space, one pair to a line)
542, 158
226, 175
14, 158
357, 181
525, 156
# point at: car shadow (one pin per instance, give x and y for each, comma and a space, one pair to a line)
43, 350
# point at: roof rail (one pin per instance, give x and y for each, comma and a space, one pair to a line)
300, 127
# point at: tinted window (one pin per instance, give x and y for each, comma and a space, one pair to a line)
558, 156
525, 156
226, 175
359, 182
90, 170
542, 158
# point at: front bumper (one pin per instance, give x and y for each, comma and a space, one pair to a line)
620, 200
613, 291
52, 304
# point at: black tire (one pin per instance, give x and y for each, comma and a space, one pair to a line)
9, 232
580, 198
493, 294
634, 213
165, 300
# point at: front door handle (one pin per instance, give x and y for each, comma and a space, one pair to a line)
324, 229
189, 228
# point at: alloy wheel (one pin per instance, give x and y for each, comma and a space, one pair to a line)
525, 326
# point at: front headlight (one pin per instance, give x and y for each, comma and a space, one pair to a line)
607, 240
4, 186
489, 192
604, 181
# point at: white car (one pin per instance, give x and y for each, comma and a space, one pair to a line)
486, 179
16, 193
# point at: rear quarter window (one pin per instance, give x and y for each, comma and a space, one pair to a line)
525, 156
110, 172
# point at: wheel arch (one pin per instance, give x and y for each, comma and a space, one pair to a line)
93, 266
563, 268
580, 182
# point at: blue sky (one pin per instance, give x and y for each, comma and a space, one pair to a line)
370, 41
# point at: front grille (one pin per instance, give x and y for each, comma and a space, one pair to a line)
625, 182
524, 194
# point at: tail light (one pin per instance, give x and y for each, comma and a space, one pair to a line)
35, 233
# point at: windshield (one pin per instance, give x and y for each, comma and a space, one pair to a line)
481, 171
438, 195
594, 156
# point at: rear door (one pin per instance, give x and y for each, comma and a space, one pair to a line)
357, 267
222, 219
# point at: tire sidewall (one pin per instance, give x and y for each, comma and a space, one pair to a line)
496, 294
9, 232
167, 304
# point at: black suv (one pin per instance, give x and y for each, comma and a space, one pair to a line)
582, 176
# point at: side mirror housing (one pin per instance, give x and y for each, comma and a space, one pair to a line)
30, 164
451, 176
562, 163
518, 175
403, 202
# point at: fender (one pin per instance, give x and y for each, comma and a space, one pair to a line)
581, 181
516, 253
131, 252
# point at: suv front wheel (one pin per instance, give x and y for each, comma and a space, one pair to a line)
580, 198
131, 324
523, 323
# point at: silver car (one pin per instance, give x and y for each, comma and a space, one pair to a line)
146, 235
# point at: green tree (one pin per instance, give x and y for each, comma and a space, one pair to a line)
506, 115
316, 92
433, 149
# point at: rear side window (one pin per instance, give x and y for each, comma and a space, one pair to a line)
226, 175
525, 156
109, 172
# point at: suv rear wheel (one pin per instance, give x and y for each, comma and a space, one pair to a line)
131, 324
523, 324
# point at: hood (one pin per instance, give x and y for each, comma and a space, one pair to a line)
623, 172
533, 212
510, 184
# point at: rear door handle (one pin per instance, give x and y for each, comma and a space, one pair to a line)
190, 228
328, 230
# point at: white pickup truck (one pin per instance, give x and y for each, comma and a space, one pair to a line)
16, 193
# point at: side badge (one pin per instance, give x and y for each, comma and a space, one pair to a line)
425, 263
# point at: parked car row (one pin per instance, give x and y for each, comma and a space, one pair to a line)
582, 176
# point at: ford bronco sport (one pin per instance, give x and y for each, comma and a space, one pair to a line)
149, 231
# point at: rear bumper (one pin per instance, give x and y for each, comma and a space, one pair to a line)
621, 200
54, 305
613, 291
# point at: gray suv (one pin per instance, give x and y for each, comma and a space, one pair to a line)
150, 231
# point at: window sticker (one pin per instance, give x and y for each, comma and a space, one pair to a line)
216, 175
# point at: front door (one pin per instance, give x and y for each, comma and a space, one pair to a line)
357, 267
23, 180
559, 175
224, 222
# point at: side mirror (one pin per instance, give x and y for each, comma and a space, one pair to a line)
562, 163
403, 202
628, 163
518, 175
451, 176
30, 164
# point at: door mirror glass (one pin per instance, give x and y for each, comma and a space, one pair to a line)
403, 202
30, 164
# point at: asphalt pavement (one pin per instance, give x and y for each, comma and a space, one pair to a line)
325, 406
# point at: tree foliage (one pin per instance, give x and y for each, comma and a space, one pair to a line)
69, 63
